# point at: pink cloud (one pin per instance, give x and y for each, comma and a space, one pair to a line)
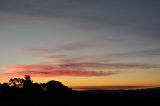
49, 70
70, 69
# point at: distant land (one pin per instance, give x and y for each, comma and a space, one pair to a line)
81, 88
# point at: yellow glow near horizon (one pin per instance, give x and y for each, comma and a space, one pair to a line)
129, 77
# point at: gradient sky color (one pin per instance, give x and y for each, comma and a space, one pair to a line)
81, 42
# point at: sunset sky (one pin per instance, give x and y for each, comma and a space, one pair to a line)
81, 42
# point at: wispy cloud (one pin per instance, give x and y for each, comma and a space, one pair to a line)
147, 52
111, 66
74, 69
99, 13
48, 70
66, 47
63, 73
155, 52
56, 54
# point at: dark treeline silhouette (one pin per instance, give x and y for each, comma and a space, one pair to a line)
23, 91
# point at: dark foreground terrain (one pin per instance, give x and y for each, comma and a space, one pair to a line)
23, 92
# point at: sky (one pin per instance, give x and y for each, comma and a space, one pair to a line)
81, 42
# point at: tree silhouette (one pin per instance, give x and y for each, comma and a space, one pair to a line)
56, 87
28, 84
16, 82
27, 77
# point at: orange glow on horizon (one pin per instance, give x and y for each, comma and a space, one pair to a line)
141, 77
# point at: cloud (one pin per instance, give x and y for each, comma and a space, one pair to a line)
39, 50
62, 73
66, 47
74, 69
147, 52
111, 66
55, 56
49, 70
77, 46
91, 14
126, 60
155, 52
